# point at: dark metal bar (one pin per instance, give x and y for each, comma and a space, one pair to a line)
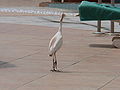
99, 22
99, 1
112, 22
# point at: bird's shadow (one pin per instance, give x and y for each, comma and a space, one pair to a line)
101, 46
72, 72
69, 72
61, 71
6, 65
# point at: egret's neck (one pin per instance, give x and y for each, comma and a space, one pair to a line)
60, 28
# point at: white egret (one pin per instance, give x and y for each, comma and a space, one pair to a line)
55, 44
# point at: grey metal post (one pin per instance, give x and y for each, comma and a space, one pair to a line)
112, 22
99, 22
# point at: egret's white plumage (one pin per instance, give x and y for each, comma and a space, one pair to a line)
55, 44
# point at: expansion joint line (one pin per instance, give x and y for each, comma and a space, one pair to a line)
29, 82
108, 82
21, 57
83, 59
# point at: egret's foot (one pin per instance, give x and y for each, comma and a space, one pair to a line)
58, 71
54, 70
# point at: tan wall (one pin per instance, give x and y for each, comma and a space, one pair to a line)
42, 0
18, 3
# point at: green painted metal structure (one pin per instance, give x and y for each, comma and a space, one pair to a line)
93, 11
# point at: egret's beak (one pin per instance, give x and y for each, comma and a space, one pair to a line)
77, 15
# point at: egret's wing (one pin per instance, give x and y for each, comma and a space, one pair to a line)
58, 44
52, 41
55, 43
52, 44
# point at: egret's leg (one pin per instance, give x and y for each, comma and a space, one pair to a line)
55, 61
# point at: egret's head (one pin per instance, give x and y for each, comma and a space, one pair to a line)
63, 15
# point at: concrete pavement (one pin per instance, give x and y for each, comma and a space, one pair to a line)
87, 62
53, 21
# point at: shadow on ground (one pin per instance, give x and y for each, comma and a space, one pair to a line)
101, 45
6, 65
72, 72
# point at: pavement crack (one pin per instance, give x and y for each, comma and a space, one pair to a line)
83, 59
77, 62
108, 82
29, 82
20, 58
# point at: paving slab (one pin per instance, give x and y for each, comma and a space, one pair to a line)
69, 81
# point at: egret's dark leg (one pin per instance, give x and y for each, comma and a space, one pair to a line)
55, 61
